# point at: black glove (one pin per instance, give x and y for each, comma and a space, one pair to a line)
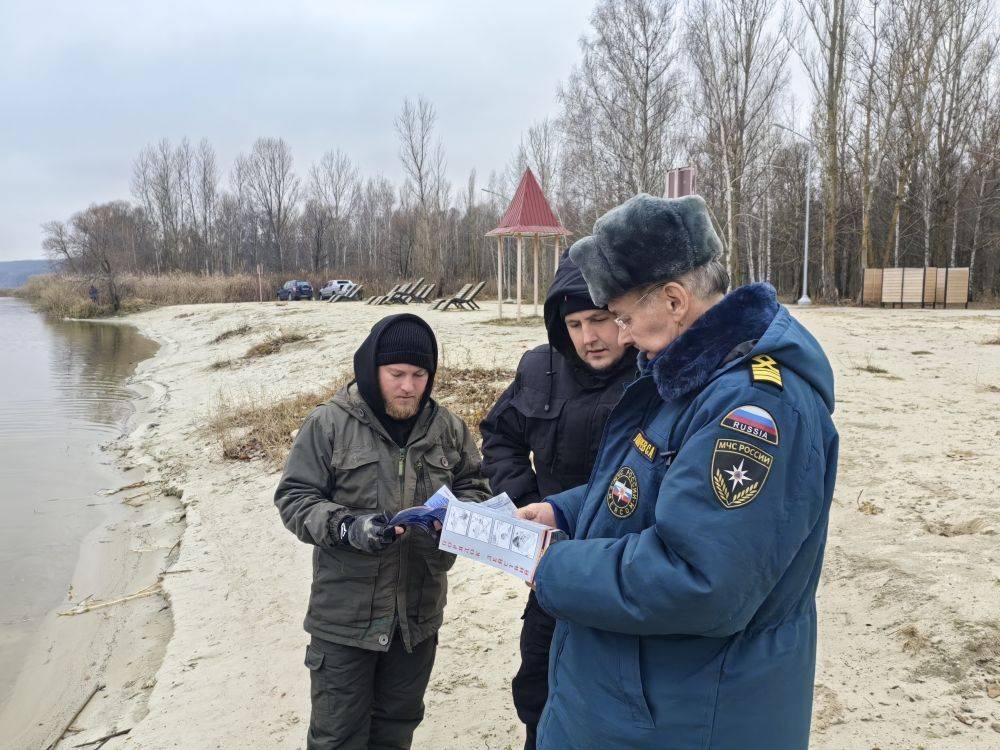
369, 533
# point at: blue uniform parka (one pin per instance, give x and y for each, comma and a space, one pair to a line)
685, 597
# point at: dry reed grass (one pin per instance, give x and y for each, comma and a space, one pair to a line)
962, 528
471, 392
913, 640
869, 366
273, 345
241, 330
248, 430
68, 296
868, 508
531, 320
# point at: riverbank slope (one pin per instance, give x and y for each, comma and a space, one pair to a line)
909, 633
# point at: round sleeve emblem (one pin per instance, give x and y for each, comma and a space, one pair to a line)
623, 494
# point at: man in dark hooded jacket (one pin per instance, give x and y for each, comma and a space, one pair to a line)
379, 445
554, 410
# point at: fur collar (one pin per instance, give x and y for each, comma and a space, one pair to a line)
690, 360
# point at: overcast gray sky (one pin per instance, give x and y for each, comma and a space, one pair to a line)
85, 85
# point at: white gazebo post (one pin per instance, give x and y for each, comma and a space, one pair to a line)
520, 253
500, 276
557, 253
534, 275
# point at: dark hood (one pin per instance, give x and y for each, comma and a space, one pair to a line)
568, 282
366, 376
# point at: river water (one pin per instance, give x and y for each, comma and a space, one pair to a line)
62, 394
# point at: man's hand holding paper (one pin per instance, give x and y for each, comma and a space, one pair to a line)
539, 513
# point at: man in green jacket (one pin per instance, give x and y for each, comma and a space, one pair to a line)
379, 445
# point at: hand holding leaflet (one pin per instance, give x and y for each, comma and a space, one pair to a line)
424, 516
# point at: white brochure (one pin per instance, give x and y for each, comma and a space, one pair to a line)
489, 533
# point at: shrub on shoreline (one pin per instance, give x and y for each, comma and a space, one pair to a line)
69, 296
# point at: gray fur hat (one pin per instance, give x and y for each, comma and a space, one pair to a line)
643, 240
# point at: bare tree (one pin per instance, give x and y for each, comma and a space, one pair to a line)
740, 70
56, 244
424, 165
831, 23
957, 94
273, 189
206, 194
335, 182
985, 162
619, 104
883, 55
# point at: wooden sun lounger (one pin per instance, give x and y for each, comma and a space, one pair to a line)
462, 300
382, 298
436, 304
470, 299
351, 294
423, 294
405, 294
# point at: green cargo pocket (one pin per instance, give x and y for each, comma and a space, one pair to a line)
434, 591
355, 478
344, 585
436, 468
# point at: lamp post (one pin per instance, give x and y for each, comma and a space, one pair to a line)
804, 299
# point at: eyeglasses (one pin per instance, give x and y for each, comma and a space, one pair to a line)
624, 322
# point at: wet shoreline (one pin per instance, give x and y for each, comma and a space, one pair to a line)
61, 662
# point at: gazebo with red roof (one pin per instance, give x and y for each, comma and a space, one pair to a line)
528, 215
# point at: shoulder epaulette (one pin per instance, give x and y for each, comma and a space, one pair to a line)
764, 369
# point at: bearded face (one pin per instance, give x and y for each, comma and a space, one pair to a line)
402, 388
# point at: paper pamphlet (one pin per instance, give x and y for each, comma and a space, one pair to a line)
502, 503
489, 533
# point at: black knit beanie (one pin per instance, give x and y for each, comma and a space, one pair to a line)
406, 342
574, 303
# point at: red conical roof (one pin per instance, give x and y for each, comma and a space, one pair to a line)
528, 212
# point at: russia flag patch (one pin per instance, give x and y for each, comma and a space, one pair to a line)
753, 421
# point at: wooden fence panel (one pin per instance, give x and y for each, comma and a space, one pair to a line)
957, 287
913, 286
871, 291
892, 286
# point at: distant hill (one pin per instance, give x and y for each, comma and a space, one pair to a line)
13, 273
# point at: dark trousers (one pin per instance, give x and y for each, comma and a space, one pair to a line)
367, 700
530, 685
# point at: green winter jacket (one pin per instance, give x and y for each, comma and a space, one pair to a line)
344, 463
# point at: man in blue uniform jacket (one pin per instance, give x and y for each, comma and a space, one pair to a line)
685, 596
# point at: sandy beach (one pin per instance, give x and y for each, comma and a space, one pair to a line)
909, 602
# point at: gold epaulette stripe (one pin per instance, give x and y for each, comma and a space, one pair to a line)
765, 369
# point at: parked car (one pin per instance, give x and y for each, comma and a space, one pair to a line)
295, 290
332, 287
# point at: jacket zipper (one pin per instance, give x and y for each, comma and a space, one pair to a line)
402, 471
